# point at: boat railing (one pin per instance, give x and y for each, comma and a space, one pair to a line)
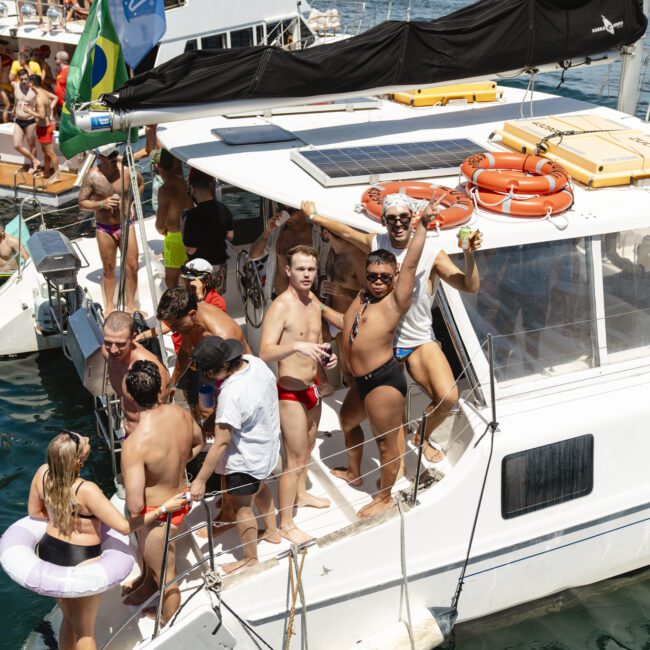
37, 11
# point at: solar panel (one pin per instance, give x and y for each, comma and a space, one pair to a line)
375, 163
258, 134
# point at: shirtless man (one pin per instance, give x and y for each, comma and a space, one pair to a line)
380, 386
292, 336
24, 122
172, 200
100, 191
9, 251
43, 112
5, 85
415, 344
153, 466
121, 351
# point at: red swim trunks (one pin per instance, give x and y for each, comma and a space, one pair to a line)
310, 397
45, 134
177, 517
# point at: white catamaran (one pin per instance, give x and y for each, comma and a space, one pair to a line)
544, 485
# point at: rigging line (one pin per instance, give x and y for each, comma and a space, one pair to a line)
246, 625
491, 427
405, 582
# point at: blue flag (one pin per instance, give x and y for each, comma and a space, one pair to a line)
139, 24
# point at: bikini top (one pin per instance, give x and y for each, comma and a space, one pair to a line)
75, 493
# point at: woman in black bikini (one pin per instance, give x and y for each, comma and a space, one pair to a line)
75, 510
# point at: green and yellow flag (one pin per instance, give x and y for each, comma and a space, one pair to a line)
97, 67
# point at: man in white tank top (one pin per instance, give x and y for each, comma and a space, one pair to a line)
415, 342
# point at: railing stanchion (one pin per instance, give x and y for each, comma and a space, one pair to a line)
163, 576
493, 397
209, 523
423, 441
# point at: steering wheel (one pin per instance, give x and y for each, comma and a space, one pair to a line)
250, 288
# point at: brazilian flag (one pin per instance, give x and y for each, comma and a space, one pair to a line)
97, 67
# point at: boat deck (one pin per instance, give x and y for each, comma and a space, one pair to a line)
16, 181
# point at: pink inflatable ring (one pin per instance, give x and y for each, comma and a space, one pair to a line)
22, 565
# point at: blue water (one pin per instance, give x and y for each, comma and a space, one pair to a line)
41, 393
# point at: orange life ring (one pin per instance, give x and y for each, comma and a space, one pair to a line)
487, 171
519, 206
458, 206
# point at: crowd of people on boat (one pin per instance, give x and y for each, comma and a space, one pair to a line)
328, 285
32, 96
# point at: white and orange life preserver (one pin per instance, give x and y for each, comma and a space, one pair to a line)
521, 205
513, 172
458, 207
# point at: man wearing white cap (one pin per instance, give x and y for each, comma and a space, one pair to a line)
415, 343
100, 192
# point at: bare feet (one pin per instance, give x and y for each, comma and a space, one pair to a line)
137, 596
36, 167
347, 476
431, 453
130, 587
151, 612
218, 527
230, 567
310, 501
295, 535
376, 507
273, 536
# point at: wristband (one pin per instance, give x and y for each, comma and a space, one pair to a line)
312, 215
163, 510
101, 205
322, 307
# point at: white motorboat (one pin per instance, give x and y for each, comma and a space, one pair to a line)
544, 485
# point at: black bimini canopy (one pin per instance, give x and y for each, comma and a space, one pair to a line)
485, 38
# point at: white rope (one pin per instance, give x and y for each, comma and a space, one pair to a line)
405, 581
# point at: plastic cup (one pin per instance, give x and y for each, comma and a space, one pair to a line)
206, 396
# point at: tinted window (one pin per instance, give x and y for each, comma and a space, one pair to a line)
190, 45
626, 280
241, 38
273, 34
538, 302
259, 35
214, 42
306, 37
545, 476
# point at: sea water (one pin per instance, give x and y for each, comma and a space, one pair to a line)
39, 394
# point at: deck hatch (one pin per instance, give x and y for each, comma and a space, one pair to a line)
258, 134
375, 163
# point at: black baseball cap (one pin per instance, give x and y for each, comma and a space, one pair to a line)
213, 352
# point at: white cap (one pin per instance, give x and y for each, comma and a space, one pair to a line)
196, 266
106, 150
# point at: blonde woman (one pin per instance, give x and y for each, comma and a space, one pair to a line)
75, 509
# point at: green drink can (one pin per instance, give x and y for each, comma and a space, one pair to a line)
464, 235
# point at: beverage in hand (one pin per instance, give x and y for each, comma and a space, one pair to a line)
464, 236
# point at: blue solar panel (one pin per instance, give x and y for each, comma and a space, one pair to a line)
373, 163
259, 134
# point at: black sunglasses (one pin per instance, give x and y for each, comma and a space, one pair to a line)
384, 278
73, 436
404, 219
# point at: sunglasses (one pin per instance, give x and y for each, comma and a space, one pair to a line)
73, 436
404, 219
384, 278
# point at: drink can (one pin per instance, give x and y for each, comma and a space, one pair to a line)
327, 353
464, 235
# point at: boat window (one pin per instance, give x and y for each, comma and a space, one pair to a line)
273, 34
215, 42
241, 37
246, 212
306, 36
190, 45
537, 301
545, 476
626, 280
172, 4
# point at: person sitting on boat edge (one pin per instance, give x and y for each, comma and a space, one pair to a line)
207, 226
379, 390
292, 336
172, 200
153, 460
121, 351
9, 251
100, 192
415, 343
75, 509
246, 438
